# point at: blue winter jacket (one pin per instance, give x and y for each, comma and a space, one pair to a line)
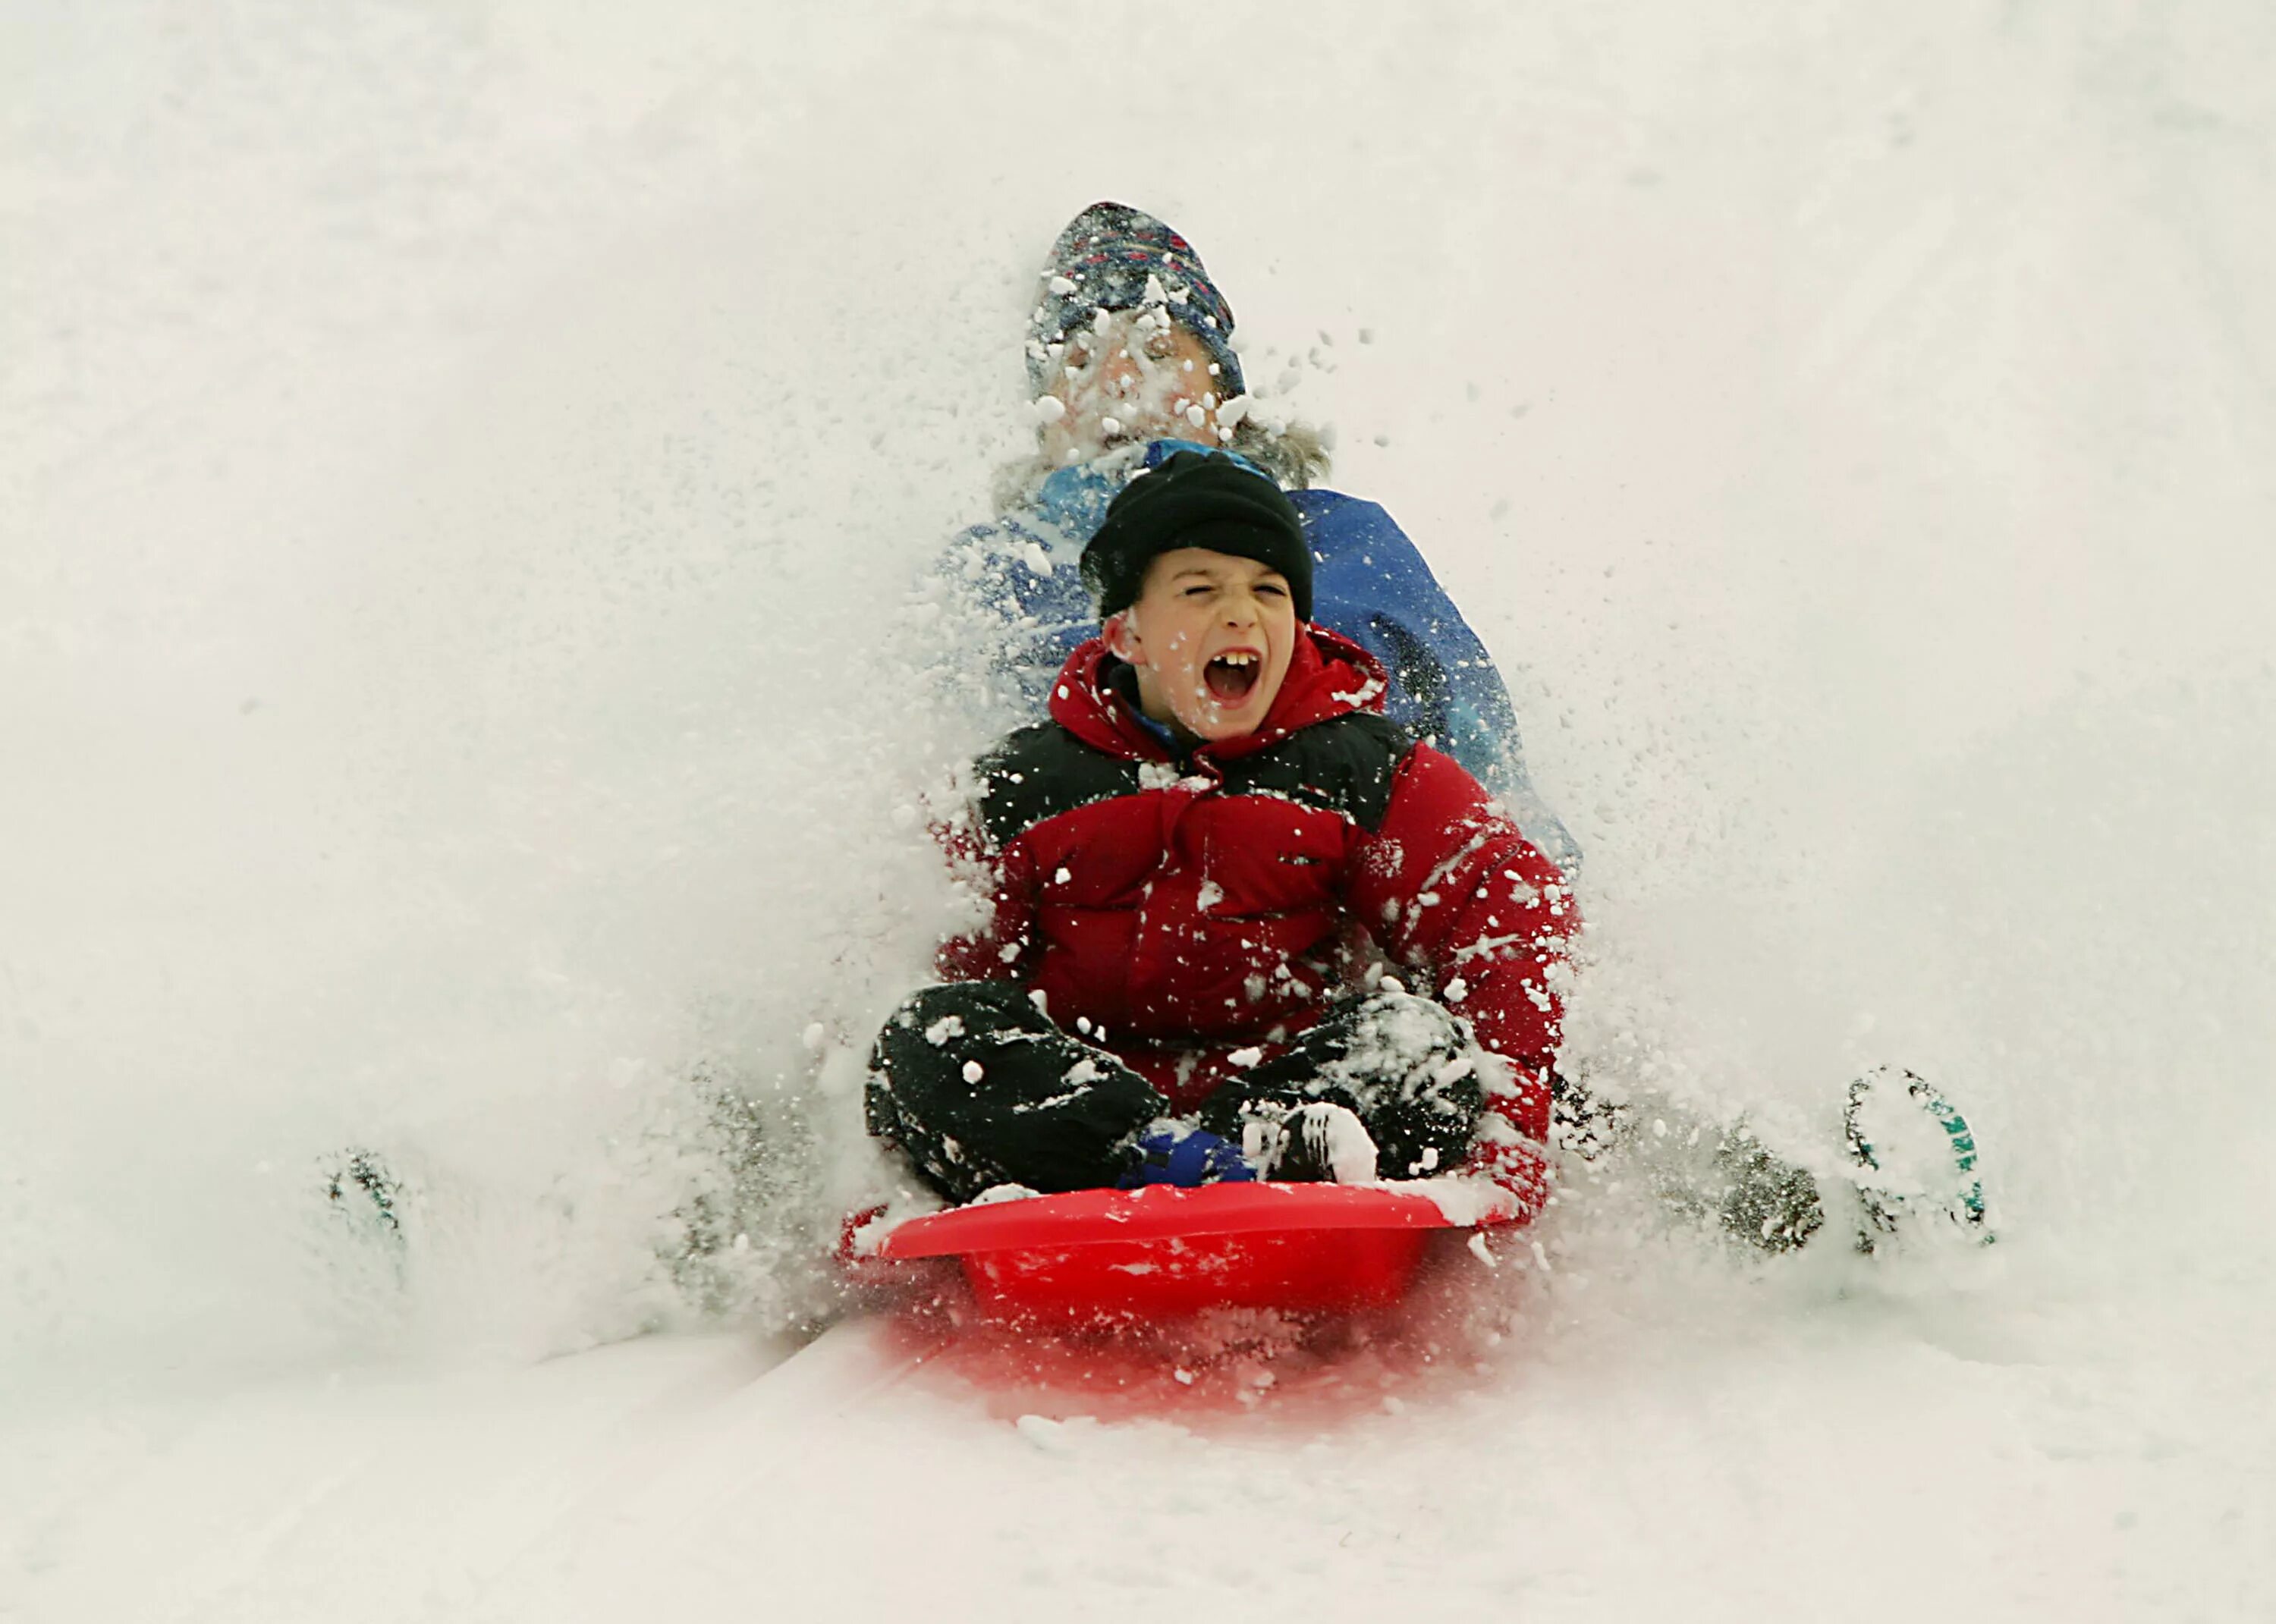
1368, 583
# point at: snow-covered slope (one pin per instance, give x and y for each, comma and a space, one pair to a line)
458, 468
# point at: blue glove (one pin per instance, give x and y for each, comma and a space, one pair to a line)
1171, 1153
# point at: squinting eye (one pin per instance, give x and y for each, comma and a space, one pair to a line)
1271, 590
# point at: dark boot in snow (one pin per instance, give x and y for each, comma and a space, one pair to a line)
1584, 1123
362, 1189
1913, 1160
1724, 1177
1767, 1202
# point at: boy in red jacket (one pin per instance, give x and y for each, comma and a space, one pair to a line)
1195, 871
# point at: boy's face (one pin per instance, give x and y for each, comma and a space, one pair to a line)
1210, 636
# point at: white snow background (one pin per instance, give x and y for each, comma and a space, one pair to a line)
463, 469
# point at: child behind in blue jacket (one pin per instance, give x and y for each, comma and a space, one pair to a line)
1130, 357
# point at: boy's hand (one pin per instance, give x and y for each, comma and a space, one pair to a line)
1173, 1153
1318, 1144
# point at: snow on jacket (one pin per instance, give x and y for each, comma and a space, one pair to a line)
1368, 583
1180, 910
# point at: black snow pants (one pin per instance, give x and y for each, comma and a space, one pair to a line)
980, 1087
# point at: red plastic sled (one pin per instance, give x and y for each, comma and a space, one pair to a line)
1162, 1252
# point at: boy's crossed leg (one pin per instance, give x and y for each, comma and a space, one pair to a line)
1401, 1064
980, 1087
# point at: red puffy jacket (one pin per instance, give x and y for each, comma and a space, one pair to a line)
1187, 910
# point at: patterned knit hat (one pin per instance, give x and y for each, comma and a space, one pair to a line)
1114, 257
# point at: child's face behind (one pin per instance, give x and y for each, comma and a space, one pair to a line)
1130, 377
1210, 637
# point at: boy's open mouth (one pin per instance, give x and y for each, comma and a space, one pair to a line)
1232, 678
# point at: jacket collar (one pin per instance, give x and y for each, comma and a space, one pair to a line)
1071, 501
1329, 675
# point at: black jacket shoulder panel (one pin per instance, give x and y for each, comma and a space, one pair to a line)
1041, 771
1343, 765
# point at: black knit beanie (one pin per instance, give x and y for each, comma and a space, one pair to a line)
1195, 499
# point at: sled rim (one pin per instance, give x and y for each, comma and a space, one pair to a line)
1165, 1213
